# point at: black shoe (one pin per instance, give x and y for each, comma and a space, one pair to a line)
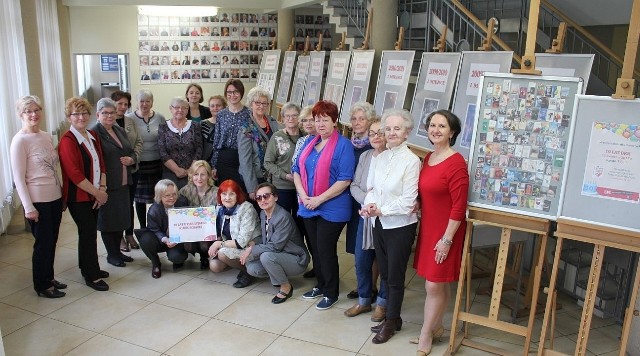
117, 263
51, 293
58, 285
244, 280
103, 274
177, 266
353, 294
156, 272
309, 274
278, 300
204, 263
126, 258
100, 285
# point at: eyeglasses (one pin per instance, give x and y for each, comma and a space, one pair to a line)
79, 113
376, 133
178, 107
233, 92
108, 113
32, 112
294, 116
261, 103
264, 196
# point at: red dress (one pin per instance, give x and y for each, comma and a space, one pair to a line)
443, 192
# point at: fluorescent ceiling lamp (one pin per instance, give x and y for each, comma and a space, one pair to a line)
178, 11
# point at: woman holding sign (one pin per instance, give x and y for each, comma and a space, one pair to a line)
199, 192
237, 227
155, 238
444, 183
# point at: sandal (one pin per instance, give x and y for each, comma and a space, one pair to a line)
124, 246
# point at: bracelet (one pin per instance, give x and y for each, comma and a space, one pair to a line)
446, 242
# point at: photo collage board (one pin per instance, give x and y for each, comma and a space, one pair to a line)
312, 26
203, 49
520, 142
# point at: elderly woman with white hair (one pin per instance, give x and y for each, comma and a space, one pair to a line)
390, 203
180, 143
34, 163
253, 137
147, 122
119, 159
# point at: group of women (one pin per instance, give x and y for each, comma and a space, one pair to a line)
277, 187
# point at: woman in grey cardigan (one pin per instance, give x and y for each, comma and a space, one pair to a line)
282, 252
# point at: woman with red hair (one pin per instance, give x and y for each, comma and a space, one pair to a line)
322, 175
237, 227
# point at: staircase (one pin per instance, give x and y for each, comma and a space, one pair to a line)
348, 16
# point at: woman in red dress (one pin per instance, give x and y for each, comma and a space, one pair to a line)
443, 187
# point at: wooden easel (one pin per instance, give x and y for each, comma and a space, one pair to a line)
557, 45
487, 42
441, 44
507, 222
367, 35
342, 42
601, 237
529, 58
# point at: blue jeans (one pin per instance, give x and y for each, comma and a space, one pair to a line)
364, 262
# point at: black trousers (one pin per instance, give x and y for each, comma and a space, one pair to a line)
151, 246
86, 219
111, 240
324, 236
45, 232
393, 248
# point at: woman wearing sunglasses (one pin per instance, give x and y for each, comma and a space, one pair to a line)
282, 252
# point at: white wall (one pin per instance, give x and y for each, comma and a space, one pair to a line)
113, 29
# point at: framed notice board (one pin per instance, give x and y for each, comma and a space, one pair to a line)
337, 76
520, 144
566, 65
602, 184
269, 70
393, 80
473, 65
357, 82
285, 77
314, 78
436, 78
300, 80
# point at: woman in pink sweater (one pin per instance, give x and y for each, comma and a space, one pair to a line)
34, 163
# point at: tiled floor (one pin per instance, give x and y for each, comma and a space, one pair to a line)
192, 312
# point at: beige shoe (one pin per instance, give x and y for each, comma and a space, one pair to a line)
437, 336
379, 314
357, 310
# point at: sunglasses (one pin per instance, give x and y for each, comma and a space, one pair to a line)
264, 196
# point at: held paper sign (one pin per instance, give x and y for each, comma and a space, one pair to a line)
612, 167
192, 224
271, 62
339, 68
316, 67
476, 70
395, 72
361, 69
437, 76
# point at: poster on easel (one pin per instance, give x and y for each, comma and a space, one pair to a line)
285, 77
602, 184
314, 78
299, 80
473, 65
357, 82
520, 144
434, 87
269, 70
566, 65
336, 76
393, 80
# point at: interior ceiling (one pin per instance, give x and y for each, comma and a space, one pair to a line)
595, 12
266, 5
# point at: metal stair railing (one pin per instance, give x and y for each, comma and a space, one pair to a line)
357, 13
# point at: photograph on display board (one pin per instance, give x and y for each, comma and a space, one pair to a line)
520, 142
429, 105
356, 95
393, 79
390, 98
602, 184
313, 92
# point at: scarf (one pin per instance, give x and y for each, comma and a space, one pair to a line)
252, 131
359, 142
321, 181
224, 213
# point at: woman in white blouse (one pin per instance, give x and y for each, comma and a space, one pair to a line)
390, 203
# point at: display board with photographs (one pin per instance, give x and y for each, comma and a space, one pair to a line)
393, 80
285, 77
314, 77
434, 87
520, 144
312, 26
203, 49
269, 70
566, 65
602, 184
357, 82
299, 80
336, 76
473, 65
